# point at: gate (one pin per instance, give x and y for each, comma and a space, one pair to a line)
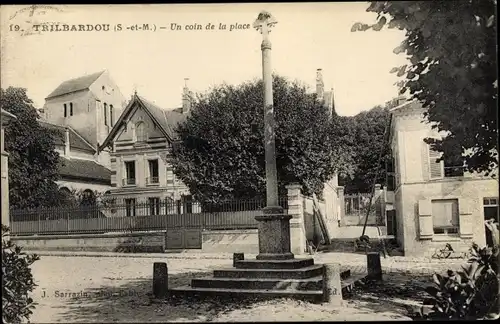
184, 231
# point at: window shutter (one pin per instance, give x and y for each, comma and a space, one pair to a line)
425, 219
465, 218
435, 168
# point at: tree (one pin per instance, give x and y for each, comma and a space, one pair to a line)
370, 137
221, 150
452, 70
33, 161
17, 281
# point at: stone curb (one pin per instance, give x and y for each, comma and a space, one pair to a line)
356, 266
132, 255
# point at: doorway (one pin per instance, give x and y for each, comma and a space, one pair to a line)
490, 208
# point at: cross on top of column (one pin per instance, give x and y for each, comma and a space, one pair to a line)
264, 22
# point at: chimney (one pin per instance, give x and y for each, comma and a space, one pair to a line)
320, 86
66, 142
333, 100
186, 98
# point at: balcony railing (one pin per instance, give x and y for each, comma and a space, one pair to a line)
129, 182
152, 180
454, 171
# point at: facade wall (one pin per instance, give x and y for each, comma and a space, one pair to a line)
415, 190
84, 113
105, 90
400, 221
88, 109
332, 205
126, 148
82, 185
470, 194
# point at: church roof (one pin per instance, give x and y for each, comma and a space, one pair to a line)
76, 84
76, 141
84, 169
167, 120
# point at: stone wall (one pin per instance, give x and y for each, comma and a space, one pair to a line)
230, 241
119, 242
225, 241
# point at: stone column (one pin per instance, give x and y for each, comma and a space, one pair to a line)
6, 118
274, 226
297, 226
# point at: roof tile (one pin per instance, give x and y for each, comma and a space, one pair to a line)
75, 140
84, 169
76, 84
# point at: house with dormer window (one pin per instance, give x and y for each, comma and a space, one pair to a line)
434, 201
140, 144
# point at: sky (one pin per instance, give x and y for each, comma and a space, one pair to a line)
307, 36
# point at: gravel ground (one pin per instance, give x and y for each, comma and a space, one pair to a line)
93, 289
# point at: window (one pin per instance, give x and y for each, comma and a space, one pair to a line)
397, 172
453, 161
130, 173
153, 171
435, 167
491, 208
111, 115
445, 216
130, 207
106, 114
140, 132
65, 111
170, 176
451, 165
390, 181
154, 205
71, 109
66, 195
187, 202
179, 206
170, 206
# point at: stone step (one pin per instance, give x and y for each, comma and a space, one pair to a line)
301, 273
315, 283
274, 264
309, 295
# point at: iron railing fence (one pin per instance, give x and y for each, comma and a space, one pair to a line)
357, 206
150, 215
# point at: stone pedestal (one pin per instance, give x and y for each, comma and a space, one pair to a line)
274, 234
298, 240
160, 280
332, 289
374, 265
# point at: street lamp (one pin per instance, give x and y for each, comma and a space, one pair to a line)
274, 226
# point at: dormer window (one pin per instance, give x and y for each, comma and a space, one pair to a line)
140, 132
